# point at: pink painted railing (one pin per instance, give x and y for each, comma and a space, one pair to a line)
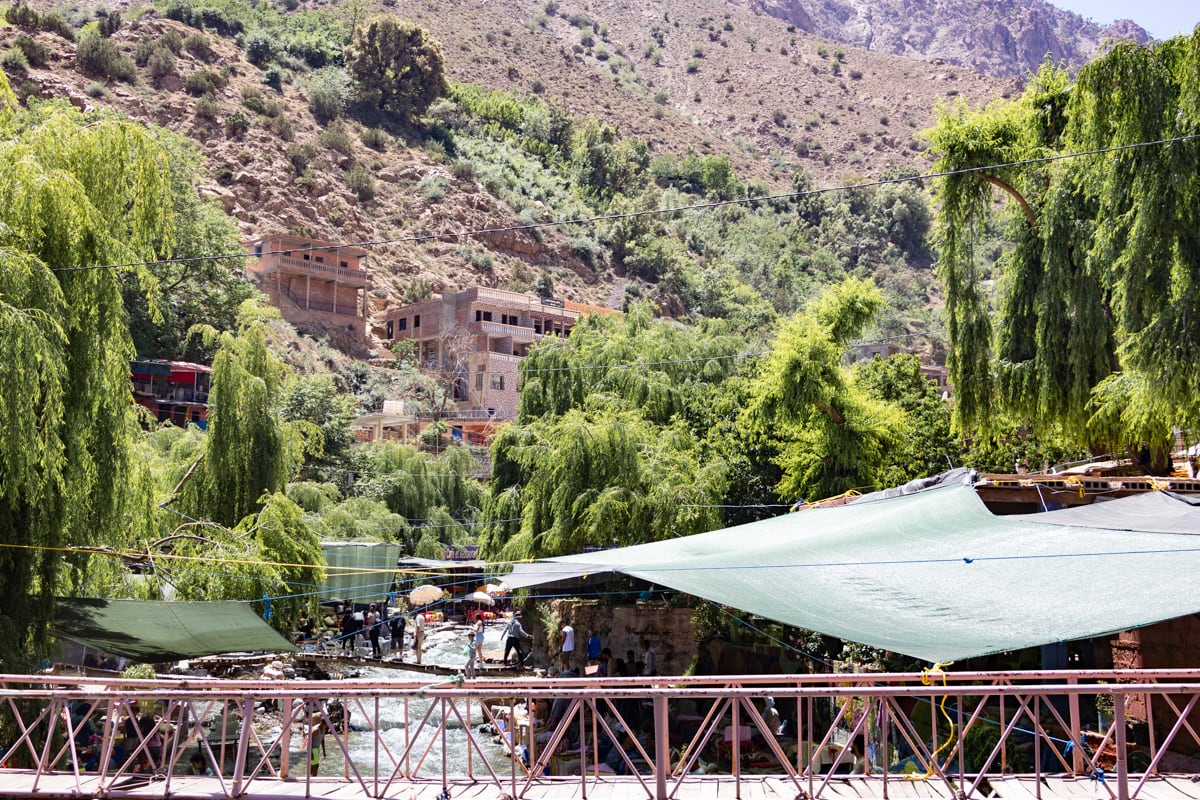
961, 734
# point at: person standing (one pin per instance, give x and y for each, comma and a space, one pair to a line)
477, 636
348, 629
469, 669
593, 647
371, 621
398, 621
418, 636
513, 634
568, 644
650, 659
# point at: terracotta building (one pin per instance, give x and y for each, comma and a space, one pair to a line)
475, 339
173, 391
317, 286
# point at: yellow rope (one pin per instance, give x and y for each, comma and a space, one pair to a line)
1074, 482
927, 676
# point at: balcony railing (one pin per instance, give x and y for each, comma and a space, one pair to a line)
957, 735
288, 264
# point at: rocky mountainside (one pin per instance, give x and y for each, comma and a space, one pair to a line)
1002, 38
699, 77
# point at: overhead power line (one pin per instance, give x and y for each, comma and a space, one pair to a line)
456, 235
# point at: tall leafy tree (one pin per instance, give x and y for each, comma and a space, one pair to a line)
832, 435
609, 446
397, 66
249, 453
77, 192
1099, 295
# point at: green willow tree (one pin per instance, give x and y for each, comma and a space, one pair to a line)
832, 436
609, 444
1095, 315
76, 192
250, 452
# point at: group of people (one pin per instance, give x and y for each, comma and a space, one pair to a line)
383, 627
602, 658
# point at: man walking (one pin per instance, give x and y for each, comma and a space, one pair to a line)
513, 634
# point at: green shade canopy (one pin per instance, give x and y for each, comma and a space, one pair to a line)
934, 574
157, 630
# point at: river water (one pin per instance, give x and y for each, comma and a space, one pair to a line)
445, 647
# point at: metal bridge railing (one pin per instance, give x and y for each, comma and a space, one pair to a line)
960, 733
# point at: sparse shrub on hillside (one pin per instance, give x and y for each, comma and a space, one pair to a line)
479, 259
260, 48
692, 66
375, 138
207, 108
13, 59
35, 52
172, 41
728, 26
360, 181
198, 45
96, 90
109, 24
537, 87
53, 22
433, 187
856, 74
586, 39
282, 127
252, 98
145, 48
463, 170
300, 156
579, 20
100, 58
822, 51
236, 125
274, 78
23, 16
328, 92
335, 138
396, 67
160, 65
551, 8
28, 90
204, 81
661, 97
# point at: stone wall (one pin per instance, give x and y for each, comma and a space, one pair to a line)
622, 628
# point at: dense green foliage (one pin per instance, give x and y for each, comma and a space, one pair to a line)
1098, 296
396, 67
76, 191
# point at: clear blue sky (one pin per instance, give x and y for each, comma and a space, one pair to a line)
1162, 18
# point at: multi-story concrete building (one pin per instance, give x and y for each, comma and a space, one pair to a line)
317, 286
474, 340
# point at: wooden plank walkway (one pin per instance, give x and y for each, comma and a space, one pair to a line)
21, 784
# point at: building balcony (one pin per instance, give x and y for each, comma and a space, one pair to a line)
351, 277
513, 331
298, 300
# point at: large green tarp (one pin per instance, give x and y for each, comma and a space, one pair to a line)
933, 575
158, 630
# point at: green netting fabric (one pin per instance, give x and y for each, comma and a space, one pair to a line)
156, 631
933, 575
360, 571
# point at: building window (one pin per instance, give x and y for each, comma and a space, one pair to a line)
344, 264
258, 249
416, 320
320, 259
478, 315
498, 382
487, 316
306, 257
391, 334
537, 327
479, 381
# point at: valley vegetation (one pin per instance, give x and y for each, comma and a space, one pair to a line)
722, 394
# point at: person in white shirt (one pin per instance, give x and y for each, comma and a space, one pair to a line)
650, 659
568, 644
